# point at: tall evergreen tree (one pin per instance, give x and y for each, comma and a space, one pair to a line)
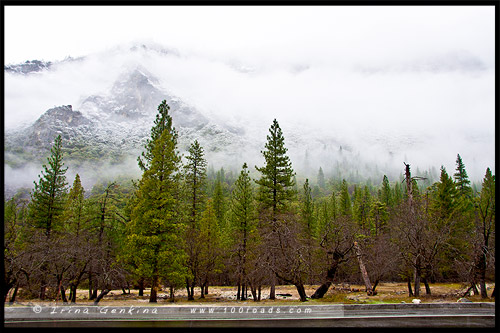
209, 238
321, 178
195, 174
219, 203
276, 185
386, 193
154, 232
444, 197
308, 211
162, 122
345, 207
74, 210
461, 179
485, 229
243, 226
464, 193
49, 195
333, 206
277, 181
195, 171
379, 217
362, 206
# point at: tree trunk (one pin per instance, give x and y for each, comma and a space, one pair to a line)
73, 293
253, 290
238, 292
375, 286
42, 291
417, 281
191, 296
259, 292
154, 285
202, 291
410, 292
272, 291
172, 294
362, 268
427, 287
474, 288
63, 294
141, 287
14, 294
330, 274
94, 294
103, 293
90, 284
301, 291
482, 276
7, 288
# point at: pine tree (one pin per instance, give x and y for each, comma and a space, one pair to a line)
333, 206
218, 199
243, 205
464, 193
321, 178
308, 211
398, 193
276, 185
485, 228
345, 207
462, 180
209, 238
243, 225
74, 210
444, 197
49, 195
154, 232
195, 171
386, 193
379, 217
362, 206
277, 181
162, 122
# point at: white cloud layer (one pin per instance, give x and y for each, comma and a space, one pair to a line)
359, 74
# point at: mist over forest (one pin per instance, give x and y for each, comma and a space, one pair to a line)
363, 118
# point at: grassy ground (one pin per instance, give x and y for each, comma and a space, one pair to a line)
353, 294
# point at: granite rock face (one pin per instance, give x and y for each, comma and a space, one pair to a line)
115, 125
29, 66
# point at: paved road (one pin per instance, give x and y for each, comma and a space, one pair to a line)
338, 315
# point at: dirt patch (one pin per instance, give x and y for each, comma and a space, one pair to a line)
285, 294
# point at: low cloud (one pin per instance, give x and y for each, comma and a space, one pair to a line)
393, 84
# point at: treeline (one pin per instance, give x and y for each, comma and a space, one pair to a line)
180, 226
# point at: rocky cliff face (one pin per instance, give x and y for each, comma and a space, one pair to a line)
113, 126
29, 66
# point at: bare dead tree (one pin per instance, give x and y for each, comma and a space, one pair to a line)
337, 243
287, 251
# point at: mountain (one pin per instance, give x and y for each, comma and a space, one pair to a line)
111, 128
29, 66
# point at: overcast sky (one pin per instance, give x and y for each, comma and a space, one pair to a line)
426, 69
54, 32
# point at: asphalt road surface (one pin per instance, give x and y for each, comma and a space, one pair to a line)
479, 315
